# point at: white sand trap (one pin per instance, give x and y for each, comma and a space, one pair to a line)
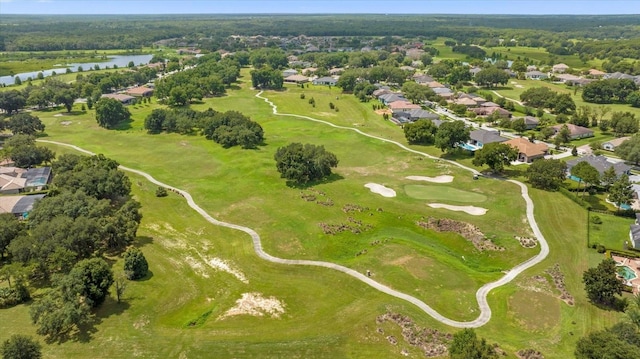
257, 305
518, 86
439, 179
474, 211
224, 266
381, 190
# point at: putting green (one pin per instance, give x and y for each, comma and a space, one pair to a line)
442, 193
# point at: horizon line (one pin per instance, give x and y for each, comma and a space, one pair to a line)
320, 13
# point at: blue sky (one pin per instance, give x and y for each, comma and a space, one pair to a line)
559, 7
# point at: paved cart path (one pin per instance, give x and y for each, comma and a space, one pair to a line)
481, 294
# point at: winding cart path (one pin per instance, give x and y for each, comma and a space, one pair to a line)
481, 294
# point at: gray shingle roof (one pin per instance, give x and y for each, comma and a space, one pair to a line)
484, 136
600, 163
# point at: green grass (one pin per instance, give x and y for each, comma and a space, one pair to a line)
611, 233
445, 193
328, 314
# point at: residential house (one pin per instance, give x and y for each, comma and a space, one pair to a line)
381, 91
37, 178
391, 97
407, 68
336, 71
14, 180
566, 77
124, 99
559, 68
535, 75
309, 70
486, 111
575, 131
474, 71
511, 73
423, 79
443, 92
579, 82
288, 72
612, 144
596, 73
634, 232
403, 106
19, 206
532, 68
434, 84
489, 104
528, 151
600, 163
529, 121
414, 115
141, 91
11, 184
296, 79
327, 81
465, 101
479, 138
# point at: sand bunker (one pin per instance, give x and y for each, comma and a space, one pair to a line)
381, 190
474, 211
438, 179
224, 266
257, 305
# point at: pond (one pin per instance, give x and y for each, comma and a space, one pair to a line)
119, 60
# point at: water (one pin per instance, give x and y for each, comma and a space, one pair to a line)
468, 147
626, 273
121, 60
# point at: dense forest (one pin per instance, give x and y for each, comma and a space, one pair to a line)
558, 34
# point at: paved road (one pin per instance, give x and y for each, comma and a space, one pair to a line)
481, 294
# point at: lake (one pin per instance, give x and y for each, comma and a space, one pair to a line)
120, 60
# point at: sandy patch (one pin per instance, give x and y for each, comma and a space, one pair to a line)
474, 211
383, 111
438, 179
518, 86
58, 115
66, 123
257, 305
381, 190
219, 264
197, 266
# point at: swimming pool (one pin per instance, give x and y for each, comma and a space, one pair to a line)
626, 273
468, 146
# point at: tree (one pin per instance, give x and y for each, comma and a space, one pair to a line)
519, 66
20, 346
618, 342
630, 150
24, 153
304, 163
491, 76
634, 99
621, 192
496, 155
563, 103
416, 92
518, 125
539, 97
135, 264
609, 176
623, 123
25, 123
97, 176
586, 173
347, 81
11, 101
450, 134
421, 132
96, 278
110, 112
547, 173
547, 132
66, 97
39, 98
601, 283
10, 229
466, 345
564, 135
120, 284
154, 122
458, 74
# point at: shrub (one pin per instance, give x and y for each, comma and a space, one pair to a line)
14, 296
161, 192
302, 96
596, 220
600, 248
331, 105
135, 264
20, 346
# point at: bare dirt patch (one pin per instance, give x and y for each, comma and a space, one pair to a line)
432, 342
558, 280
383, 111
472, 210
256, 305
437, 179
527, 242
197, 266
353, 225
381, 190
529, 354
466, 230
225, 266
66, 123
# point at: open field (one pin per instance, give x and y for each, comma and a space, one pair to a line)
327, 314
440, 193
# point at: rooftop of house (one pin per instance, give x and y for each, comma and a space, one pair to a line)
141, 90
296, 78
573, 129
118, 96
600, 163
527, 147
484, 136
19, 204
400, 104
617, 141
